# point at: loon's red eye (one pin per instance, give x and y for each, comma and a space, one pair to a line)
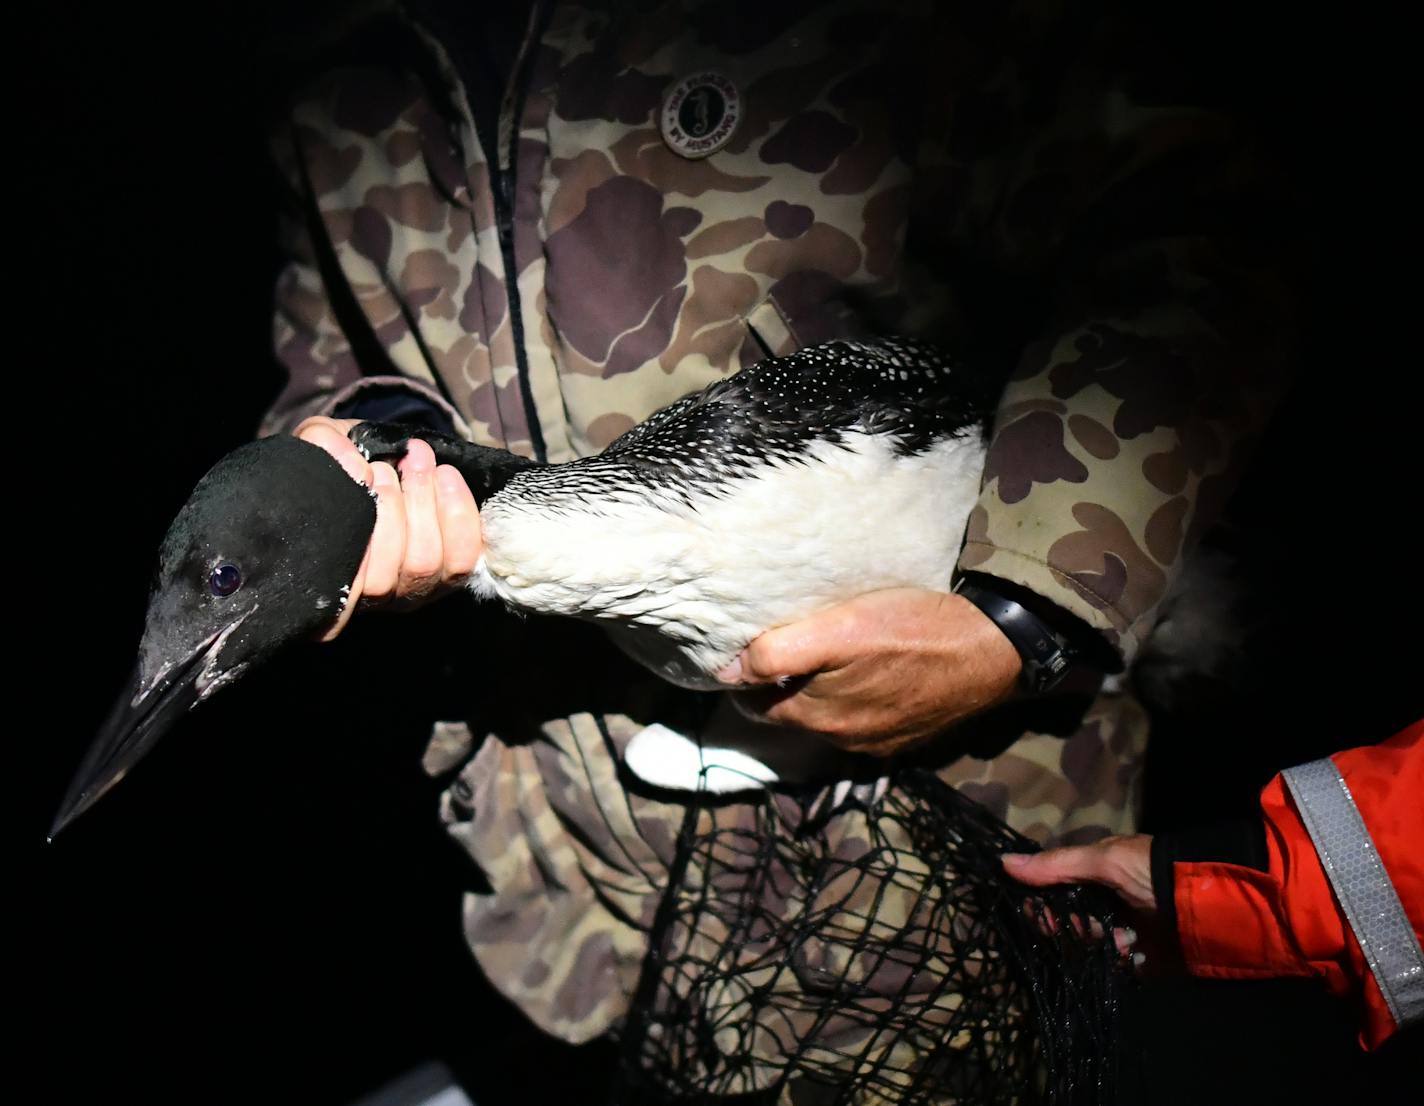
225, 580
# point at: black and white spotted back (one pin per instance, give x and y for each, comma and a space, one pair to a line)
907, 391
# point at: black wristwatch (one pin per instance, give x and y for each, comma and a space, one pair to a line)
1047, 654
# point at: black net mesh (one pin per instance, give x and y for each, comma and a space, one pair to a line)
876, 955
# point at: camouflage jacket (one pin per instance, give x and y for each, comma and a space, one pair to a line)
1018, 182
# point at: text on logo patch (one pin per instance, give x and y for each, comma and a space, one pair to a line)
700, 114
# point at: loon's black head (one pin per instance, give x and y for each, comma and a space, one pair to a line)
262, 554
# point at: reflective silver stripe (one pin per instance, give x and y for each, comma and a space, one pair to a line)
1371, 903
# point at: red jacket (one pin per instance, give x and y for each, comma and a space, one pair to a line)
1281, 917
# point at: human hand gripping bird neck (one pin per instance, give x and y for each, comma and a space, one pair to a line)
427, 536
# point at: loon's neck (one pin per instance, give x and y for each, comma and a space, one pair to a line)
485, 469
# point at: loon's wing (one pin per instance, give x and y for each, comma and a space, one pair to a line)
907, 390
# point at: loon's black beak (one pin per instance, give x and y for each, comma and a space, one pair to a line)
138, 719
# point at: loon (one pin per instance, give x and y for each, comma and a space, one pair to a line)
797, 483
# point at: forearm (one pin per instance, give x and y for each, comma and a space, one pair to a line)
1260, 902
337, 334
325, 375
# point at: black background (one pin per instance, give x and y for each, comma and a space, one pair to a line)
269, 910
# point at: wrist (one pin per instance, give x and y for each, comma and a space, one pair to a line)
1049, 648
999, 661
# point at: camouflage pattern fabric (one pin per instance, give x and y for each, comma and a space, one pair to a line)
578, 859
1020, 183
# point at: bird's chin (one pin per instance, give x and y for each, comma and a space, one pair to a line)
211, 677
207, 685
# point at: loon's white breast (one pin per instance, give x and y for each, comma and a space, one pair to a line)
685, 578
791, 486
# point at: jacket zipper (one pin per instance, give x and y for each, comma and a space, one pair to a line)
502, 184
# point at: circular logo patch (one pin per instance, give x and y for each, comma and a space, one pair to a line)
700, 114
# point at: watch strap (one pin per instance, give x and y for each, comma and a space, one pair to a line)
1047, 655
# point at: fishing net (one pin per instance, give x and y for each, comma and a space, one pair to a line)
876, 955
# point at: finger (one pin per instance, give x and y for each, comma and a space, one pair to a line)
759, 703
387, 548
323, 434
349, 601
786, 707
848, 728
330, 434
796, 650
341, 426
421, 563
1071, 864
1086, 926
1040, 916
793, 699
461, 536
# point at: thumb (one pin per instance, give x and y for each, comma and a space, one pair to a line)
796, 650
1071, 864
348, 605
